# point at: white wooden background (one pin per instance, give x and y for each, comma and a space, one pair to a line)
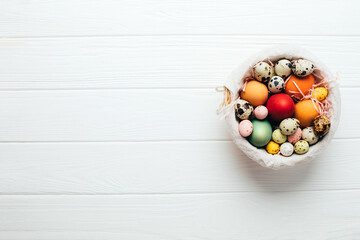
108, 127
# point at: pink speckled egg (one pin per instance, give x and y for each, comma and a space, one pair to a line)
246, 128
296, 136
261, 112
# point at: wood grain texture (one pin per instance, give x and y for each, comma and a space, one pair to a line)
127, 115
108, 127
152, 61
136, 17
321, 215
165, 167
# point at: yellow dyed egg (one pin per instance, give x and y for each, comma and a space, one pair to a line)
319, 93
272, 147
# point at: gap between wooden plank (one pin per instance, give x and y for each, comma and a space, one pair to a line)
320, 215
125, 89
175, 35
144, 141
151, 62
173, 167
109, 116
176, 17
171, 194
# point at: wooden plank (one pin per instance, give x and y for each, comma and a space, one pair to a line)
127, 115
165, 167
322, 215
152, 61
136, 17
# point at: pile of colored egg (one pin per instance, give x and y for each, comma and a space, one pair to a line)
279, 109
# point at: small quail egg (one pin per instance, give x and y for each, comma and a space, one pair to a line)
288, 126
301, 147
243, 109
263, 72
261, 112
319, 93
321, 125
296, 136
245, 128
302, 67
309, 135
283, 68
276, 84
272, 147
286, 149
278, 137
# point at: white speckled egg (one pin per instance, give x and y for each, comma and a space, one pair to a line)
243, 109
309, 135
278, 137
276, 84
302, 67
263, 72
289, 126
283, 68
301, 147
286, 149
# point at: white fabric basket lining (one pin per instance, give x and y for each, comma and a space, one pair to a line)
233, 84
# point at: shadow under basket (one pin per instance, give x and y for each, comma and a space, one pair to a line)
234, 83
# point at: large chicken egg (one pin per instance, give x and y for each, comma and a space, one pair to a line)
305, 112
261, 133
280, 106
305, 84
255, 93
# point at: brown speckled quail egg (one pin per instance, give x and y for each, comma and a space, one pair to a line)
289, 125
243, 109
276, 84
278, 137
283, 68
321, 125
263, 72
302, 67
309, 135
286, 149
301, 147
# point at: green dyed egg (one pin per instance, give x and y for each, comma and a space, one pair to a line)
261, 133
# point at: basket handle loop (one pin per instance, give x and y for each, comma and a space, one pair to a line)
226, 101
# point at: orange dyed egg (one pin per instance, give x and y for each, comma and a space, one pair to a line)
255, 93
304, 83
305, 112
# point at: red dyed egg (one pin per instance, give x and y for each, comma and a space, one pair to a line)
280, 106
